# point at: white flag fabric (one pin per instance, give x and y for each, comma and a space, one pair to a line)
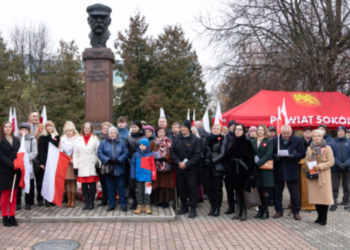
27, 166
218, 116
188, 115
43, 117
194, 118
162, 113
10, 115
206, 123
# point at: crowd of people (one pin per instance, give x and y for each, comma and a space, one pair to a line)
184, 161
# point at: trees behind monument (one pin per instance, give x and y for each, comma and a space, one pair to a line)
162, 72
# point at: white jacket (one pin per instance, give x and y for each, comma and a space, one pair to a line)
85, 156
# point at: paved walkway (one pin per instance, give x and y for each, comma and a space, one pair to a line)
204, 232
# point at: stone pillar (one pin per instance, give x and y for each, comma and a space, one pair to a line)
98, 85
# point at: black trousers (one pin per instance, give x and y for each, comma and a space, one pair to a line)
293, 187
104, 187
213, 187
229, 192
187, 187
345, 176
39, 177
29, 198
89, 191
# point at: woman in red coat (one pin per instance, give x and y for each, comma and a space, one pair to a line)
9, 146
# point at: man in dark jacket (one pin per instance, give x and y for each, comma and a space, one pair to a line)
163, 123
341, 151
286, 169
326, 137
307, 137
186, 153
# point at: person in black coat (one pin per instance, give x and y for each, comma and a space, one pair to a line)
9, 146
286, 170
49, 135
307, 139
214, 155
242, 168
186, 154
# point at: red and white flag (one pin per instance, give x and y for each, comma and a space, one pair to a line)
206, 123
22, 162
188, 115
194, 118
43, 117
218, 116
13, 120
282, 117
55, 175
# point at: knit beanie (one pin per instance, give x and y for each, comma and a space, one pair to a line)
341, 127
307, 128
144, 141
252, 128
148, 127
230, 123
137, 123
187, 124
323, 126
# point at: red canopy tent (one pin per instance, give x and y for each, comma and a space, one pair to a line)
304, 109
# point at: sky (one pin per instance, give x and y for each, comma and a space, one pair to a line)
67, 20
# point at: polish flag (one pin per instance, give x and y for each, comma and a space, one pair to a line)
188, 115
13, 120
279, 121
43, 117
194, 118
206, 123
218, 116
22, 162
55, 175
284, 114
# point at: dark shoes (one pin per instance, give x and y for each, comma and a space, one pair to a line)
165, 205
297, 217
27, 207
5, 221
124, 209
343, 203
86, 206
193, 213
278, 215
134, 204
91, 206
211, 212
216, 212
18, 207
244, 214
333, 208
109, 209
230, 210
47, 204
102, 204
259, 214
13, 222
40, 203
183, 210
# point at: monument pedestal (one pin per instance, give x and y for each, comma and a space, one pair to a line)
98, 86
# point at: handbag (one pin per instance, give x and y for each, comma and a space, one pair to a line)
267, 165
107, 169
251, 199
311, 176
35, 162
221, 168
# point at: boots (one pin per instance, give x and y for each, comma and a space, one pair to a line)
212, 209
265, 213
68, 199
92, 193
12, 221
5, 221
134, 203
319, 214
216, 212
239, 207
138, 210
230, 210
148, 209
47, 204
260, 212
73, 194
86, 206
324, 211
244, 214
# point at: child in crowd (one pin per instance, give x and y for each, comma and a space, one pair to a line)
143, 170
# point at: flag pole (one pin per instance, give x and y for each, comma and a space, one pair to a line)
13, 187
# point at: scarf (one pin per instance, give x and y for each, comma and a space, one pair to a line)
86, 138
317, 150
67, 144
141, 132
164, 145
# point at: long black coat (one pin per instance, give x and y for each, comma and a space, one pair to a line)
241, 151
214, 152
287, 169
8, 154
44, 141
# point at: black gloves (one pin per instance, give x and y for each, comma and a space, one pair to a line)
113, 162
110, 161
342, 166
161, 159
75, 172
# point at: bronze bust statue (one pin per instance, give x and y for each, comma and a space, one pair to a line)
99, 19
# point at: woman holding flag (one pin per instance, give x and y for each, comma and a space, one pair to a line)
9, 146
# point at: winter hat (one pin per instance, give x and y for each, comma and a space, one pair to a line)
144, 141
341, 127
143, 122
24, 125
137, 123
187, 124
272, 128
323, 126
252, 128
307, 128
148, 127
159, 128
230, 123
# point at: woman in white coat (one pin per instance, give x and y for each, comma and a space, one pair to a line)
85, 160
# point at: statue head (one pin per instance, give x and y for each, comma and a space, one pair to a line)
99, 19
